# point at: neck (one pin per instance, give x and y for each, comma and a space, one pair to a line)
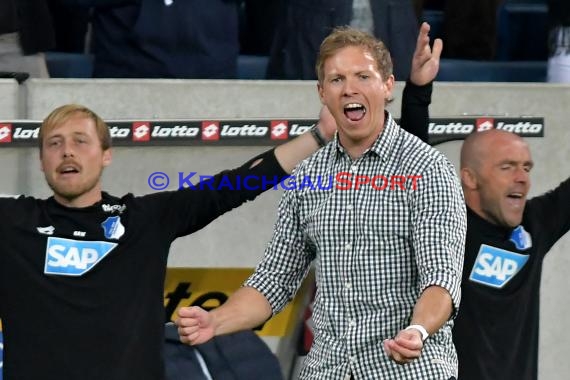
356, 148
474, 205
81, 201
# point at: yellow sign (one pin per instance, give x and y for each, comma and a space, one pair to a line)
211, 287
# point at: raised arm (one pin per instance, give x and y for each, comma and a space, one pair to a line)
417, 93
293, 152
202, 202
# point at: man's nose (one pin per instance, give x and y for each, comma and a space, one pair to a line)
67, 150
522, 175
350, 87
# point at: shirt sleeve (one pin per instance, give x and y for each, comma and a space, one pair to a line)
287, 258
439, 218
191, 208
552, 209
415, 109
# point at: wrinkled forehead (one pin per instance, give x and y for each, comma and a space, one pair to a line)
352, 53
514, 150
74, 129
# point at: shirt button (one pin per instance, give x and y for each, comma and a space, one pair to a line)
352, 323
349, 207
348, 285
353, 168
353, 359
348, 246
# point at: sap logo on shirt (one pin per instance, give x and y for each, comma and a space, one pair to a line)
495, 267
66, 257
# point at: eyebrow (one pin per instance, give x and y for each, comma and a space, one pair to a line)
357, 73
60, 135
528, 163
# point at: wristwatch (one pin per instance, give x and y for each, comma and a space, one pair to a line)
421, 329
317, 135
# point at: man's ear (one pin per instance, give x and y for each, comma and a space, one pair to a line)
321, 93
389, 83
107, 157
468, 178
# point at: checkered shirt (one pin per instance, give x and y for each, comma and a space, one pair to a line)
374, 252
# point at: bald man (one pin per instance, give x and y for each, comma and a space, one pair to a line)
508, 236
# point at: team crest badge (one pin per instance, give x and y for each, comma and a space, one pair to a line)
113, 228
521, 238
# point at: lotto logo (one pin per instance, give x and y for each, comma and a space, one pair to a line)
279, 130
210, 130
299, 129
174, 131
456, 128
495, 267
526, 127
119, 132
244, 130
484, 124
67, 257
5, 133
141, 131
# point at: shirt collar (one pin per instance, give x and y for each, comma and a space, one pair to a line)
383, 144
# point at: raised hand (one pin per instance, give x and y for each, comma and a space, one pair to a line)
425, 63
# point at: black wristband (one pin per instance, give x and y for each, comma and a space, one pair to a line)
317, 135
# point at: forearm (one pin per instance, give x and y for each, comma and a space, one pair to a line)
415, 112
433, 309
293, 152
245, 309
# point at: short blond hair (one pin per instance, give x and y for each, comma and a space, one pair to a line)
344, 36
61, 114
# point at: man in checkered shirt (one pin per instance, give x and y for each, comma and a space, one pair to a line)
382, 217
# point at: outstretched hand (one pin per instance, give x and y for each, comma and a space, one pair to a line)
425, 63
195, 325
